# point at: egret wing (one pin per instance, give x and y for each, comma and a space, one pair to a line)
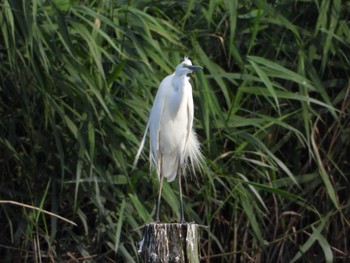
153, 124
156, 117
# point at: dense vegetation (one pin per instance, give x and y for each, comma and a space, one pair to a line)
77, 80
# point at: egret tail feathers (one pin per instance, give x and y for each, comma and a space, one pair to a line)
141, 147
193, 152
193, 157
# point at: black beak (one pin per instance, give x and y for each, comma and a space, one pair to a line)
193, 68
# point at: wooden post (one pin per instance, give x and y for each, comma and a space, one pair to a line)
168, 243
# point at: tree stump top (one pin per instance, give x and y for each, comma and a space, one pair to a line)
170, 242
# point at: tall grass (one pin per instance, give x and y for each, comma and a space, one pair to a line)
272, 112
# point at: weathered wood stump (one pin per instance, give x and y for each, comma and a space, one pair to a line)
168, 243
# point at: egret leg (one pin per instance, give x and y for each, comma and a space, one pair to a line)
159, 197
182, 215
160, 187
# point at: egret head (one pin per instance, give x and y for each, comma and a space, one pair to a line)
186, 67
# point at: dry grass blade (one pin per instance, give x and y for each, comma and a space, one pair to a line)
38, 209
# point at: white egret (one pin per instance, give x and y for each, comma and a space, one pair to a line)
172, 138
